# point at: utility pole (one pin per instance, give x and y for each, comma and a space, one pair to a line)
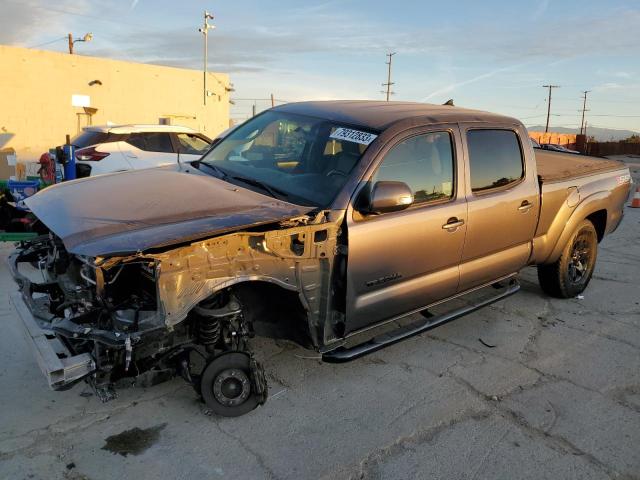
389, 82
584, 109
205, 32
546, 129
86, 38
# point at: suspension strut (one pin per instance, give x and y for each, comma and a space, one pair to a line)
208, 331
210, 316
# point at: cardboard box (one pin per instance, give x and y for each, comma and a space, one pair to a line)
7, 163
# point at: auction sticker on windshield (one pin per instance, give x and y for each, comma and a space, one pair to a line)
356, 136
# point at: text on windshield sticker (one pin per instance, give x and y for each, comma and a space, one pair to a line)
356, 136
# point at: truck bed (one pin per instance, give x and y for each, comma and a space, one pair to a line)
558, 166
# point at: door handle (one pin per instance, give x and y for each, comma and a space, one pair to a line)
525, 206
452, 224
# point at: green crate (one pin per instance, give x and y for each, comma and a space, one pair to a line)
16, 237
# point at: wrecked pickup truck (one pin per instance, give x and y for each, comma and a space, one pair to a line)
345, 226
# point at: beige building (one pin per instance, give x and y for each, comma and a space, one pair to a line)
47, 95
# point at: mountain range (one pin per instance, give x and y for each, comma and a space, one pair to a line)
600, 134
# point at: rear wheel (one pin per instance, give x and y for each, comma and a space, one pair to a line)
571, 273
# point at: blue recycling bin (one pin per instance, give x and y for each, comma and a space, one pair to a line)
22, 189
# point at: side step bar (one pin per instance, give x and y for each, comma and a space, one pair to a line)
59, 366
341, 355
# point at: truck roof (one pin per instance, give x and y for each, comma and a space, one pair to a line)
381, 115
138, 128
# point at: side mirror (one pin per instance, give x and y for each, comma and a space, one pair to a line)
389, 197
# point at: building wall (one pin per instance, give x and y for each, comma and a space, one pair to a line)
36, 89
564, 139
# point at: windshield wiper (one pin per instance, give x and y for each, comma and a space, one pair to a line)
221, 173
274, 192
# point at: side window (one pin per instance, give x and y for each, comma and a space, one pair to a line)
191, 144
424, 162
495, 159
152, 141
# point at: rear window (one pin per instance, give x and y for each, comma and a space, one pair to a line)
495, 159
192, 144
88, 138
152, 141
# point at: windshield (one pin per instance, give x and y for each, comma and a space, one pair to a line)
303, 160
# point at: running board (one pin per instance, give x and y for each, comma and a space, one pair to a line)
341, 354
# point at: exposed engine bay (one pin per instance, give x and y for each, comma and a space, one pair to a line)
191, 310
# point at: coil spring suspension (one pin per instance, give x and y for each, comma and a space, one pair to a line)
208, 331
214, 318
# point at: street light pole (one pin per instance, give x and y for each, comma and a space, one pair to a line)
205, 31
87, 38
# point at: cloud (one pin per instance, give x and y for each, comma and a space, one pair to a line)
23, 21
451, 87
540, 9
608, 86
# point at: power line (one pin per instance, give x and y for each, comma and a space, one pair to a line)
86, 15
48, 43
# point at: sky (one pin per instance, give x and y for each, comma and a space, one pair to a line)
492, 55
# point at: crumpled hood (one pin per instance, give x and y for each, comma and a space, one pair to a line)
154, 208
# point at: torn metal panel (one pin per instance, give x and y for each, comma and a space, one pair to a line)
298, 258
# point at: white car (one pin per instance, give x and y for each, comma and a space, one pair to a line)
114, 148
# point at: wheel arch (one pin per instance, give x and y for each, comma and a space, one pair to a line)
599, 220
277, 308
592, 208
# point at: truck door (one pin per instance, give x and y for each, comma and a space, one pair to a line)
503, 203
401, 261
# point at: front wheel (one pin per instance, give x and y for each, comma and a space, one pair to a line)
570, 274
233, 384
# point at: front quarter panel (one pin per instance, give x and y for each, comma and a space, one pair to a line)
298, 258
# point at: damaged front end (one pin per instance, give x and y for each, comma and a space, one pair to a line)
146, 317
91, 316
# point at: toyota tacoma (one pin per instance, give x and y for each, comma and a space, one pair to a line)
345, 226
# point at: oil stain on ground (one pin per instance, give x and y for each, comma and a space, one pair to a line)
133, 441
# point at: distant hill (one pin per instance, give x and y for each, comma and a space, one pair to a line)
600, 134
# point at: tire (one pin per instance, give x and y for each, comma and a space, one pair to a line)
571, 273
226, 386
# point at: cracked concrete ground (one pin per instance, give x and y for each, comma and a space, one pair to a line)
558, 397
